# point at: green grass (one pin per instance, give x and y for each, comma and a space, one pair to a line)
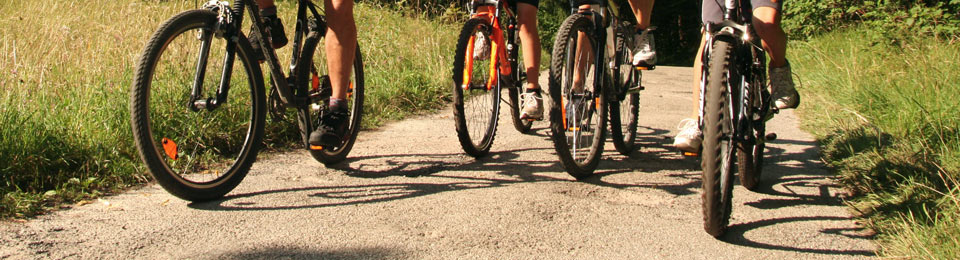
887, 118
65, 80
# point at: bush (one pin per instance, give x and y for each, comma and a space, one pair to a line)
887, 21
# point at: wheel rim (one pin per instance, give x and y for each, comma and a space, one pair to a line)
579, 103
201, 147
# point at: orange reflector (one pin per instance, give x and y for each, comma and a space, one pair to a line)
316, 147
170, 148
315, 82
690, 154
563, 110
643, 68
350, 90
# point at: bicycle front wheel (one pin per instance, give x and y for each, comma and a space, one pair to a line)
476, 92
196, 153
312, 82
578, 118
717, 155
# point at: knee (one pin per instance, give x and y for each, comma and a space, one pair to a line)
526, 14
338, 9
766, 19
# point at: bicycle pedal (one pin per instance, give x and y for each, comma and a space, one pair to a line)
316, 147
636, 89
771, 136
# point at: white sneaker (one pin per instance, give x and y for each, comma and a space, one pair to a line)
689, 138
532, 106
784, 92
644, 49
481, 46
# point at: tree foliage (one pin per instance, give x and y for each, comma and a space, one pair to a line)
887, 20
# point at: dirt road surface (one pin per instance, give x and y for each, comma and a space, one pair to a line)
409, 192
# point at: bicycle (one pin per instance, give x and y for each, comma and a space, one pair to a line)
479, 77
188, 136
735, 105
584, 93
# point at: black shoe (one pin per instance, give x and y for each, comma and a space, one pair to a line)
332, 129
278, 38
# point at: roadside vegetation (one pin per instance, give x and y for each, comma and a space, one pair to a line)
880, 93
65, 78
878, 78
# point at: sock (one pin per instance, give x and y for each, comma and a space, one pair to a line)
532, 90
337, 104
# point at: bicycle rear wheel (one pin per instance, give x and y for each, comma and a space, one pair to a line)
624, 106
520, 77
476, 99
578, 117
750, 160
313, 82
716, 158
196, 153
623, 123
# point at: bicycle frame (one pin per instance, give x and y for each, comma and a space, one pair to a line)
606, 13
229, 24
489, 10
746, 88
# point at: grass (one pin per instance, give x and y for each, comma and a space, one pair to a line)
886, 117
65, 79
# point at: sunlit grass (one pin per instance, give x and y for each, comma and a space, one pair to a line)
887, 117
65, 78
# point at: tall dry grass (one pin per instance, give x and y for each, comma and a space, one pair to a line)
66, 69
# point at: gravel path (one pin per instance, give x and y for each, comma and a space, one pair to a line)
409, 192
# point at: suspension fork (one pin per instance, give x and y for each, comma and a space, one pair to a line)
206, 37
599, 60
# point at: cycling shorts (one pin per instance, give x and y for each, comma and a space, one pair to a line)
534, 3
712, 11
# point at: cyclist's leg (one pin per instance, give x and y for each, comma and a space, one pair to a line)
766, 18
642, 10
530, 39
643, 45
688, 137
341, 46
584, 57
767, 21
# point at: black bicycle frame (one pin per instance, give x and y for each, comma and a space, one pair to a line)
231, 32
609, 14
745, 77
600, 34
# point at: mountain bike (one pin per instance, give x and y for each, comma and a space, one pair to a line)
735, 105
197, 143
479, 77
584, 93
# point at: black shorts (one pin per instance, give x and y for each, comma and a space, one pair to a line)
712, 11
534, 3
